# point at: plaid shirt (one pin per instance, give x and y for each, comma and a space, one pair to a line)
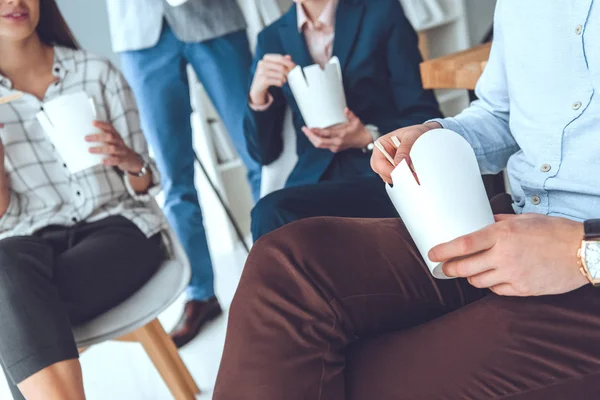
42, 190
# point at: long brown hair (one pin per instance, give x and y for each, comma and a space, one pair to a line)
52, 28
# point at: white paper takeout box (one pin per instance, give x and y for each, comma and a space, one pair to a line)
319, 93
175, 3
450, 201
67, 120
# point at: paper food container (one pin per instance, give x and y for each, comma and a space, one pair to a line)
175, 3
450, 200
67, 120
319, 94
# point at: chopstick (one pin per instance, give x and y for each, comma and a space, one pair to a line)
12, 97
380, 147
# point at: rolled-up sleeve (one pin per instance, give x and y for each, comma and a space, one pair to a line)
124, 116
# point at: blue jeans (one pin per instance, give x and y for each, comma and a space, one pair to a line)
158, 79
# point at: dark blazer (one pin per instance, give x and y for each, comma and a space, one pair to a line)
378, 51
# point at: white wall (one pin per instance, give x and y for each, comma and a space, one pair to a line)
481, 16
89, 21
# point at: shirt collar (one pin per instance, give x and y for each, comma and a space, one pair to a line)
63, 62
327, 17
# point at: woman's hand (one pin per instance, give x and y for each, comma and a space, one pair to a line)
272, 70
350, 135
112, 145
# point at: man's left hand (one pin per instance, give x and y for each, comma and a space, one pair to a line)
350, 135
519, 255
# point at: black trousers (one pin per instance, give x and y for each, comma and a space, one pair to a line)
60, 277
363, 197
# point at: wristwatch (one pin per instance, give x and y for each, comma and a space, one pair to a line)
143, 171
374, 131
589, 252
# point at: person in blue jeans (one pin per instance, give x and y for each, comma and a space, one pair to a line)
156, 41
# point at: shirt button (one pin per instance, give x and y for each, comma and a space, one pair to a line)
577, 105
535, 200
578, 29
546, 168
64, 165
74, 219
78, 193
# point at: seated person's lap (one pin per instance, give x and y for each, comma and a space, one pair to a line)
456, 341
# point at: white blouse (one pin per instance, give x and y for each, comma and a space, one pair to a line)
42, 190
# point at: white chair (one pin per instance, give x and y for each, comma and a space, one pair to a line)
135, 320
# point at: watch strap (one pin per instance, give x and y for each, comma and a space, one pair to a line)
591, 229
143, 171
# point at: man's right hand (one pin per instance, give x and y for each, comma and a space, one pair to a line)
407, 136
272, 70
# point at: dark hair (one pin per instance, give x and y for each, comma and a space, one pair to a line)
52, 28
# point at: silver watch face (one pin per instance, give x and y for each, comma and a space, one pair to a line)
592, 258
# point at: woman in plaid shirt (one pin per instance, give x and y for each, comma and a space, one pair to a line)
72, 244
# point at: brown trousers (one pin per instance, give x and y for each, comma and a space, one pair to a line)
334, 309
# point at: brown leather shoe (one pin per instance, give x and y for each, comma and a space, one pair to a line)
195, 315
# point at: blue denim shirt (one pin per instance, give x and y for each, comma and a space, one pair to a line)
539, 109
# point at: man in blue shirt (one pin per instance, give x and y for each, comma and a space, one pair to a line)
522, 322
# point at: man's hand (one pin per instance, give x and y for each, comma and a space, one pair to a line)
519, 255
350, 135
272, 70
407, 136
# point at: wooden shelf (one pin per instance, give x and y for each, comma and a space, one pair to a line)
456, 71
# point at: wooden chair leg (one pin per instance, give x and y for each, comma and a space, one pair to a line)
163, 353
183, 369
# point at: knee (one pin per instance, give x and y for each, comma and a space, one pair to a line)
271, 213
281, 254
